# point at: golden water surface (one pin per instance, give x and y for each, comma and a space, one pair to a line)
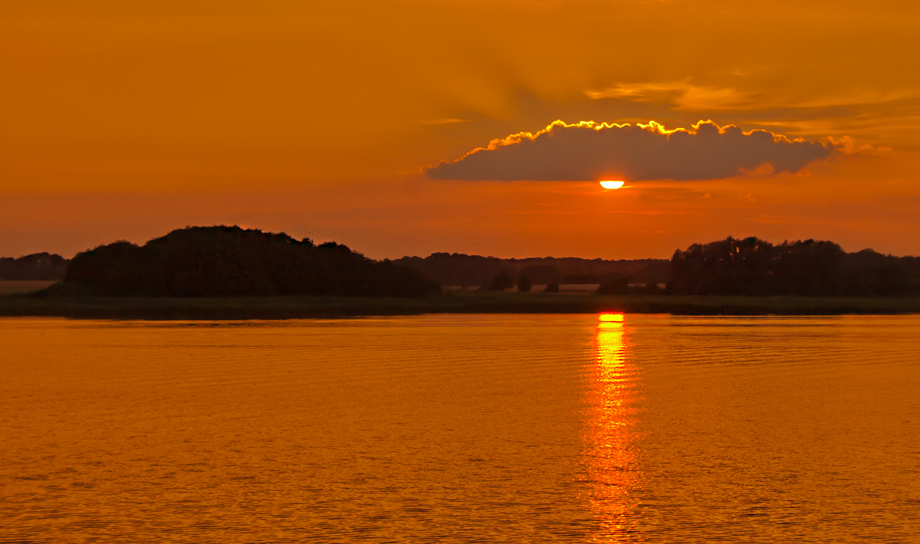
508, 428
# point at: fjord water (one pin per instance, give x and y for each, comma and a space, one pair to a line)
505, 428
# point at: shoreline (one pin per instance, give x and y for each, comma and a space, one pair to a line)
467, 302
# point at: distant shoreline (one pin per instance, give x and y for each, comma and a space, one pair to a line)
455, 302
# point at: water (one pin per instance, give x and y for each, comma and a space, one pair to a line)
515, 428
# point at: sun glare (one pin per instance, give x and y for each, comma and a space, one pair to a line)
610, 317
610, 184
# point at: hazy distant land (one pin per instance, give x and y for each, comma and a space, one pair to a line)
35, 267
233, 273
17, 287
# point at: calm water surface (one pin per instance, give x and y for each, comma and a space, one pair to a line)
516, 428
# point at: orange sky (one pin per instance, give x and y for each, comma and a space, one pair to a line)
126, 119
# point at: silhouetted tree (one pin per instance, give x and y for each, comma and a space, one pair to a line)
460, 269
541, 273
807, 268
552, 287
501, 281
230, 261
524, 284
804, 268
614, 285
38, 266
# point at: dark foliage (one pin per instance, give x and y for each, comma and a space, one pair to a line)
552, 287
472, 270
501, 281
540, 273
230, 261
524, 284
614, 285
805, 268
38, 266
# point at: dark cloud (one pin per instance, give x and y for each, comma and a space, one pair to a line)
588, 151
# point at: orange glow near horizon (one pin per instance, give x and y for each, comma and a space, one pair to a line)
319, 119
609, 184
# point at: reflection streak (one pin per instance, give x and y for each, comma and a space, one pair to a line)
611, 433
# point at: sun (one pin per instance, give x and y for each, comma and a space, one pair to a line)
610, 184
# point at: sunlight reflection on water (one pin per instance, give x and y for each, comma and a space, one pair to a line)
611, 432
461, 428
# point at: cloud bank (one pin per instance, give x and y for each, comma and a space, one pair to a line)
589, 151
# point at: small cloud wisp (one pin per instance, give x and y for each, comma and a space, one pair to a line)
683, 94
589, 151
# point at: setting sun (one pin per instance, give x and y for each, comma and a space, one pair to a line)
289, 270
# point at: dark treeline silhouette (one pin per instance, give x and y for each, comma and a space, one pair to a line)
475, 271
524, 283
501, 281
38, 266
231, 261
805, 268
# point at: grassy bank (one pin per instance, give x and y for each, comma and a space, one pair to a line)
451, 302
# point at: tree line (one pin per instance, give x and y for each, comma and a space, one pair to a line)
38, 266
751, 266
754, 267
463, 270
231, 261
